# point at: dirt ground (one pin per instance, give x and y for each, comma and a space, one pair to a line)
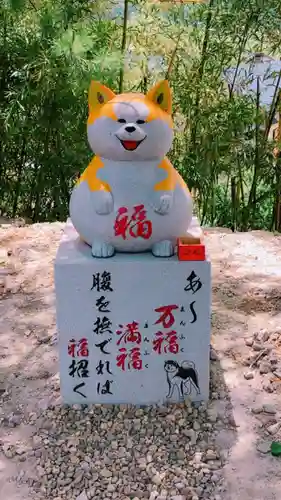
246, 271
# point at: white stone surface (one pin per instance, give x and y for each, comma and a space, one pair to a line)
140, 284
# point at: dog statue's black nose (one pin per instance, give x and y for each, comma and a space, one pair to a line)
130, 129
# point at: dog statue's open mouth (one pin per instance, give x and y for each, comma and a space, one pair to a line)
130, 145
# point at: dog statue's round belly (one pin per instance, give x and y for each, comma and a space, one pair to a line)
133, 226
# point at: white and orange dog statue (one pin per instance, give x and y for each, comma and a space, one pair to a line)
130, 198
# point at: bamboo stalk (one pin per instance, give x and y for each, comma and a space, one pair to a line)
273, 107
253, 190
169, 70
123, 45
201, 70
241, 50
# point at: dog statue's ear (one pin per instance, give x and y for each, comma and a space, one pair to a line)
161, 95
99, 95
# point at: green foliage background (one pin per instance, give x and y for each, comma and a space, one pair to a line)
51, 49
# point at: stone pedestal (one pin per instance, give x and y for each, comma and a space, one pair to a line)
132, 328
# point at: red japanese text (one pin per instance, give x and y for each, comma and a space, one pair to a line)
129, 333
166, 342
129, 359
135, 225
78, 348
166, 318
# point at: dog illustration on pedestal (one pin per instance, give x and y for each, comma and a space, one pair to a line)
182, 377
130, 198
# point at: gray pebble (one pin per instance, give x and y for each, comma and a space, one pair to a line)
264, 368
264, 446
14, 420
257, 346
257, 410
82, 496
211, 455
274, 428
268, 408
9, 451
249, 342
105, 473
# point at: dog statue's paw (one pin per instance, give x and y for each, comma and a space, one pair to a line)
163, 204
103, 202
102, 250
163, 248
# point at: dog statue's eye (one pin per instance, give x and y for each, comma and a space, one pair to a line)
121, 120
140, 122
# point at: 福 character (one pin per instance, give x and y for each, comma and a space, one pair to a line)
136, 226
166, 342
71, 348
83, 350
133, 358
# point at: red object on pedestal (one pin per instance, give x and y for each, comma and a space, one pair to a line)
191, 249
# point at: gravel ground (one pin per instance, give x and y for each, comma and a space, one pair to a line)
217, 451
125, 453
